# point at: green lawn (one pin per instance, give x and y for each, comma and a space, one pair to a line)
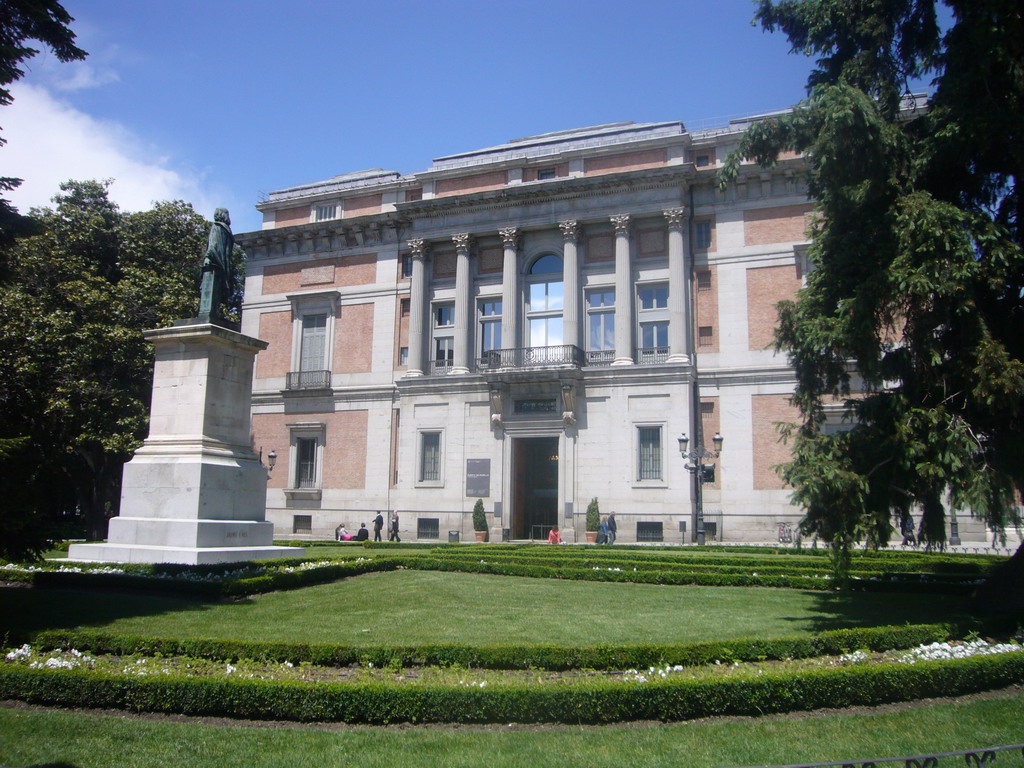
29, 737
417, 607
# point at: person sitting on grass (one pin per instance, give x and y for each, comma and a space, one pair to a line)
362, 534
554, 537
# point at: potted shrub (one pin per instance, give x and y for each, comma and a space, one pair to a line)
593, 520
480, 520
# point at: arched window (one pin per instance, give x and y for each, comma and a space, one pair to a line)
544, 301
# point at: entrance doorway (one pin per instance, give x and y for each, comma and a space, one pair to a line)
534, 486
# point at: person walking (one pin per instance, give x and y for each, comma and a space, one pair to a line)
612, 528
602, 531
378, 524
394, 527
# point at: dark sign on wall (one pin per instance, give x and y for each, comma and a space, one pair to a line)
478, 478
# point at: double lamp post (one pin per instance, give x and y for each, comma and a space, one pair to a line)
704, 472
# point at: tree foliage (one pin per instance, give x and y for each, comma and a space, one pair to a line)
912, 314
76, 373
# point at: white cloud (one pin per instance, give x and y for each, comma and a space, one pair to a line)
49, 142
78, 76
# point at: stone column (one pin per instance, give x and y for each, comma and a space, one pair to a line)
417, 307
623, 293
510, 289
678, 287
570, 283
463, 299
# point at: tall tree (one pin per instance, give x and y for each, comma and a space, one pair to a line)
20, 22
75, 378
913, 312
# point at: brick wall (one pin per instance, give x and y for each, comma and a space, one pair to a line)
490, 260
275, 360
766, 411
360, 269
782, 224
627, 161
353, 339
411, 195
270, 434
289, 217
706, 303
599, 248
345, 456
652, 242
443, 262
362, 206
766, 287
465, 185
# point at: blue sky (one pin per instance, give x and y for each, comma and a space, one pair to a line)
220, 101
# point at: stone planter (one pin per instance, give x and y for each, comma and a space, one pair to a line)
481, 536
591, 537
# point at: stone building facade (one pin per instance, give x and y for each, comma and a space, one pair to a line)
533, 324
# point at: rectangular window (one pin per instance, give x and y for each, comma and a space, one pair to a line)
406, 265
444, 315
403, 356
444, 349
703, 280
601, 320
403, 307
313, 350
702, 160
490, 325
649, 453
703, 235
302, 523
430, 457
705, 336
654, 334
305, 462
545, 173
428, 528
654, 297
326, 212
650, 532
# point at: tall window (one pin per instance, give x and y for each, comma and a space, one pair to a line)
305, 462
444, 341
600, 324
544, 302
652, 318
313, 355
490, 325
648, 453
430, 457
703, 234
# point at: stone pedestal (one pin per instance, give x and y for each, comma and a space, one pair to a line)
194, 492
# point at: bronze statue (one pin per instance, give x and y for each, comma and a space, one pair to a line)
216, 285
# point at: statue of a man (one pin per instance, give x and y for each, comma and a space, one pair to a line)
216, 284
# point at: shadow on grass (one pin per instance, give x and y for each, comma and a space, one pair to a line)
24, 611
847, 610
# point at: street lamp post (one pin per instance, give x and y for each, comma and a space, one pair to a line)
704, 472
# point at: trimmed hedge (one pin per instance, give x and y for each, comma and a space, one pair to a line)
589, 701
512, 656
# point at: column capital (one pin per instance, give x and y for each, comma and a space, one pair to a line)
570, 230
509, 237
675, 217
621, 223
418, 248
462, 241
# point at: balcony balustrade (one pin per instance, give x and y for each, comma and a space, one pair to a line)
308, 380
439, 367
532, 357
600, 356
651, 355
